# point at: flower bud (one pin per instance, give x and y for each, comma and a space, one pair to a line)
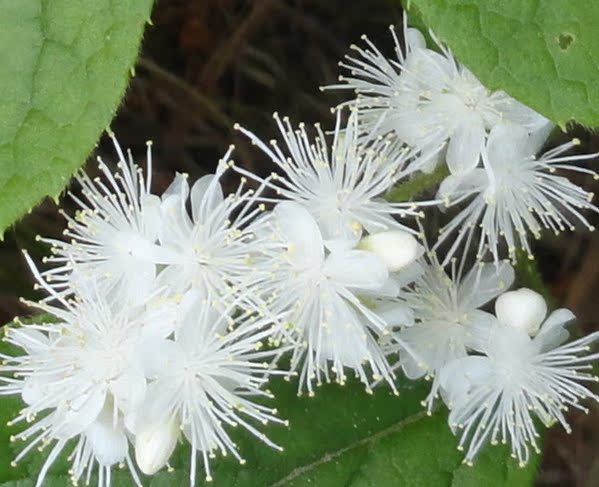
396, 249
154, 446
524, 309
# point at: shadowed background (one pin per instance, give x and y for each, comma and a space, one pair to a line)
208, 64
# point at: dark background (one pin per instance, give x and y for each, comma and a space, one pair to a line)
207, 64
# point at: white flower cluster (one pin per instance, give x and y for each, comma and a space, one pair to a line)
427, 101
166, 315
495, 372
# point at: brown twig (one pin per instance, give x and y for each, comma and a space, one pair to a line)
587, 275
224, 55
210, 108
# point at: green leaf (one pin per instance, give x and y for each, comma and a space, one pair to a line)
65, 67
545, 54
341, 437
407, 190
528, 275
415, 453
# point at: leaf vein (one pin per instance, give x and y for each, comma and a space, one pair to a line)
327, 457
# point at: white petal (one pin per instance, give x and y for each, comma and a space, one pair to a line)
479, 325
539, 136
458, 377
299, 230
517, 113
154, 446
151, 216
203, 321
160, 317
425, 127
176, 278
552, 332
395, 313
356, 269
454, 185
158, 356
134, 248
80, 413
29, 339
508, 144
345, 341
559, 318
408, 274
389, 289
176, 225
107, 439
138, 282
426, 69
38, 388
373, 221
465, 146
340, 231
206, 195
444, 113
179, 187
129, 388
411, 368
414, 126
483, 283
340, 244
414, 39
158, 403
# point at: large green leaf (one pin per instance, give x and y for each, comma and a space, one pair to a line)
65, 67
545, 54
341, 437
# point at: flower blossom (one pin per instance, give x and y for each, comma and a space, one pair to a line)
212, 250
342, 185
526, 369
203, 381
448, 318
517, 194
112, 238
319, 291
81, 377
429, 101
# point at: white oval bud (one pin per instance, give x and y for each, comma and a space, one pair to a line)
523, 308
154, 446
396, 249
108, 441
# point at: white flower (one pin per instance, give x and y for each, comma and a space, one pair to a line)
516, 195
448, 318
429, 101
341, 185
212, 250
318, 292
82, 376
203, 382
112, 237
493, 397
